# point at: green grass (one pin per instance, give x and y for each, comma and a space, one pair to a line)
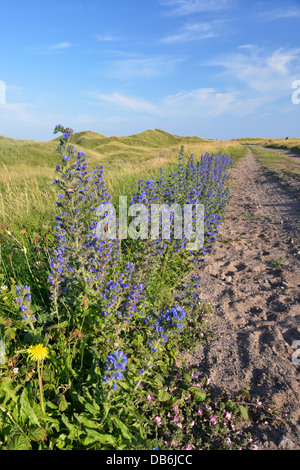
275, 263
284, 168
286, 144
27, 169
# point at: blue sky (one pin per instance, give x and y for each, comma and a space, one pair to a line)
212, 68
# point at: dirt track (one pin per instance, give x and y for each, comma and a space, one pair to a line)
253, 280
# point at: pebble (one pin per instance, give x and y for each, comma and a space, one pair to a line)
286, 444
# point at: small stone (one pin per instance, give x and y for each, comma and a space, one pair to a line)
286, 444
228, 278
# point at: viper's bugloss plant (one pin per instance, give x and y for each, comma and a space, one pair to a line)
203, 182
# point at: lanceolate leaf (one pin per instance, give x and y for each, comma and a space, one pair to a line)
243, 412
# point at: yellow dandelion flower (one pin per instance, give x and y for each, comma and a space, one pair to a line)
38, 352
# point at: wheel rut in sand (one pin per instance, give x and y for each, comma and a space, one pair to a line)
253, 281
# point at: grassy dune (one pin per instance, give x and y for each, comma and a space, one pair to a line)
288, 144
27, 195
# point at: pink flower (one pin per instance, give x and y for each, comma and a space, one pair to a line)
167, 443
192, 424
176, 409
200, 412
157, 419
213, 420
116, 345
188, 447
175, 444
179, 425
150, 398
228, 415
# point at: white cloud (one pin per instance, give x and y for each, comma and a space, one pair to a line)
61, 45
142, 67
201, 102
194, 32
107, 37
253, 79
193, 104
189, 7
130, 102
283, 13
263, 72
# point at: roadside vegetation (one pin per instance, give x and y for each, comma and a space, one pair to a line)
91, 328
284, 168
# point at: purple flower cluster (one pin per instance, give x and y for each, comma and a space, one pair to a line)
23, 299
203, 182
166, 321
115, 364
81, 260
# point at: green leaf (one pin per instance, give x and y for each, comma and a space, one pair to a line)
187, 378
62, 403
244, 412
200, 395
163, 367
19, 442
87, 422
123, 428
38, 434
92, 407
26, 409
10, 333
163, 395
94, 437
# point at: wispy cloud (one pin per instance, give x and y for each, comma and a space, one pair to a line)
194, 32
208, 102
264, 72
129, 102
282, 13
142, 67
107, 37
61, 45
189, 7
253, 80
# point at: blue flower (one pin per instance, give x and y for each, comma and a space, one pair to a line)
115, 363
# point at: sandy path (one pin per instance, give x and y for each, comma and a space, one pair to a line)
256, 303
